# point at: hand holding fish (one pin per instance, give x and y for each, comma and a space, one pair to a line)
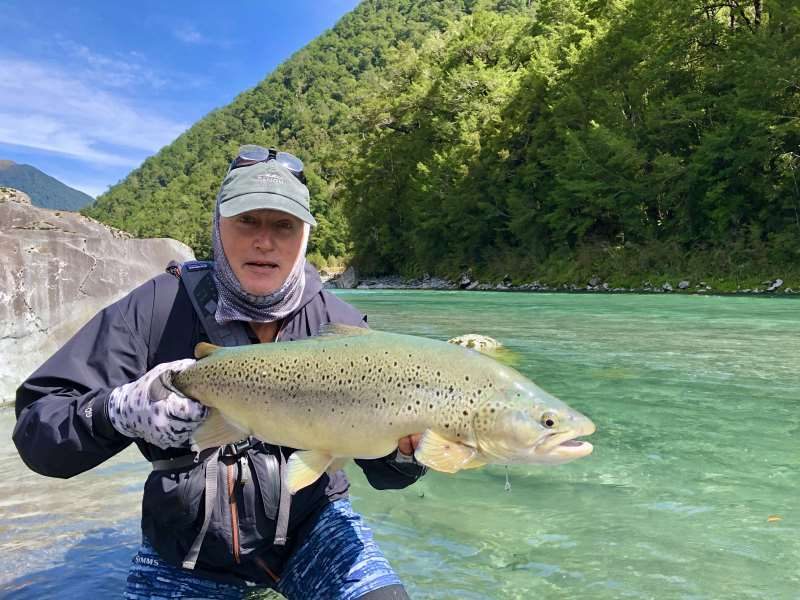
151, 409
408, 444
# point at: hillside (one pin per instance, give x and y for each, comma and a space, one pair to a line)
45, 191
556, 139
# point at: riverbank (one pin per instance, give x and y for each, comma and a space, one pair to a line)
350, 280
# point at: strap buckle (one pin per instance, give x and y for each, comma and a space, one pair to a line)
237, 448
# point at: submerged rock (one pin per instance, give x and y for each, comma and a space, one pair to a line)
59, 268
482, 343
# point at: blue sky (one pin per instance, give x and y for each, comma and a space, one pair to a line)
90, 89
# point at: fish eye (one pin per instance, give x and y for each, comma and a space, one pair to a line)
549, 420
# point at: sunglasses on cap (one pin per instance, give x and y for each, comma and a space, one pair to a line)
252, 154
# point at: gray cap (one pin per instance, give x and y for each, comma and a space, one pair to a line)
264, 185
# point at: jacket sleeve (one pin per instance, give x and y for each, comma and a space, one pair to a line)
62, 426
388, 474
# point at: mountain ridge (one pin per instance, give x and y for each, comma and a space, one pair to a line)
44, 190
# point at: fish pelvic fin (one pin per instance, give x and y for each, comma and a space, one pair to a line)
305, 467
339, 330
216, 431
204, 349
441, 454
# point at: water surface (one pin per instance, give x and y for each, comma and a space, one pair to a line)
697, 404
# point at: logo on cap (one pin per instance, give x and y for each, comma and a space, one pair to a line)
270, 178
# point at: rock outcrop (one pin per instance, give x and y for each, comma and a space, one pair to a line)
58, 269
474, 341
347, 280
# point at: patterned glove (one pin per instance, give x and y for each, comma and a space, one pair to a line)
150, 408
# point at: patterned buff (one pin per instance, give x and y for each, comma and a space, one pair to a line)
235, 304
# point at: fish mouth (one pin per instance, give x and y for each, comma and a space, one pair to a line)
572, 449
565, 446
557, 450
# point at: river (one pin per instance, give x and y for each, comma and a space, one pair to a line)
692, 491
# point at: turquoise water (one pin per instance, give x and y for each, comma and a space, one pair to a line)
697, 405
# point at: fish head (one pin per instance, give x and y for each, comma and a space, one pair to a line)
523, 424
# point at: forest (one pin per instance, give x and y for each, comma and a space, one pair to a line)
555, 140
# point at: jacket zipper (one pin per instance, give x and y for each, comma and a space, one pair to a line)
234, 510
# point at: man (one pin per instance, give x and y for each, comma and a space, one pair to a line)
217, 524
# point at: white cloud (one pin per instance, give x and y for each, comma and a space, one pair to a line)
43, 106
122, 70
189, 35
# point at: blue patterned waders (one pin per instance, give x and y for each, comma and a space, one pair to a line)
338, 560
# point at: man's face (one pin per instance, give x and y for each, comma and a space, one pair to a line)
261, 247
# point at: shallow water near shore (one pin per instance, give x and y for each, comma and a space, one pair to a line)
692, 491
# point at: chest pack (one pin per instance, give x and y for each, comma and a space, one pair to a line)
197, 279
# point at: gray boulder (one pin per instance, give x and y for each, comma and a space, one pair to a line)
774, 285
58, 270
347, 280
683, 285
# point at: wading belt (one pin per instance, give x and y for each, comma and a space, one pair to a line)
197, 279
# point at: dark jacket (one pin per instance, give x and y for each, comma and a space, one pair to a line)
63, 429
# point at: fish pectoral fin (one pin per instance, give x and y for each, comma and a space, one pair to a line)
339, 330
475, 462
216, 431
305, 467
337, 464
441, 454
204, 349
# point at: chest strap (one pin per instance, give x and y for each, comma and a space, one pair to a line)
198, 279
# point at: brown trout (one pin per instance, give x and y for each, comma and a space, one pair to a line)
353, 393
